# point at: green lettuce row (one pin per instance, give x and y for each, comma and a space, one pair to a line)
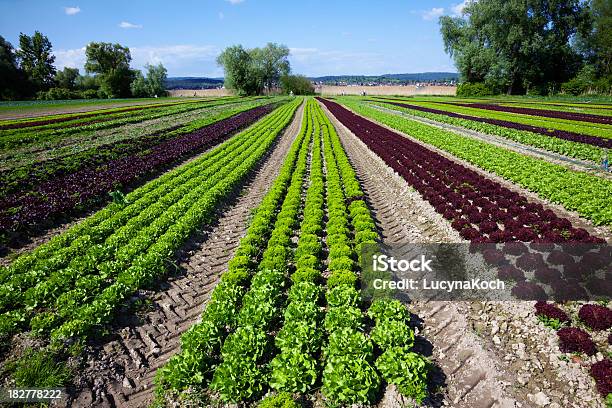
120, 244
552, 144
242, 373
151, 264
113, 216
295, 368
586, 194
349, 375
593, 129
19, 137
201, 344
397, 364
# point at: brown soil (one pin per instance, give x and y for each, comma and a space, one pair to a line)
120, 371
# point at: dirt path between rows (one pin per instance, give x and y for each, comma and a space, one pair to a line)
571, 163
120, 371
491, 354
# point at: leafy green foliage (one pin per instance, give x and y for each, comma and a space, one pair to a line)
294, 371
408, 371
280, 400
392, 333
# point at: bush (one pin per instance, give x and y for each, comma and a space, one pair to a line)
474, 89
574, 87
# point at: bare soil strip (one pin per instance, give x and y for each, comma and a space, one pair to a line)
573, 164
491, 354
120, 372
471, 374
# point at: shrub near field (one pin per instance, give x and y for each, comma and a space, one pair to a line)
274, 286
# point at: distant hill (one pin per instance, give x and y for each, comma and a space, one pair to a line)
193, 83
392, 79
388, 78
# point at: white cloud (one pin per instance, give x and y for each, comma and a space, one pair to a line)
457, 9
433, 13
221, 15
235, 1
71, 11
74, 58
174, 57
316, 62
125, 24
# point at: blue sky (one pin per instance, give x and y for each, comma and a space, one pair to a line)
330, 37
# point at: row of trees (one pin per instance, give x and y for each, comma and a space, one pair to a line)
532, 46
29, 72
261, 70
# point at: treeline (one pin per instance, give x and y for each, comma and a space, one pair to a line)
532, 46
257, 71
28, 72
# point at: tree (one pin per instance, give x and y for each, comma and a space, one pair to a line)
239, 71
599, 40
112, 63
36, 59
249, 72
156, 79
516, 45
298, 84
271, 62
139, 86
153, 85
67, 78
12, 81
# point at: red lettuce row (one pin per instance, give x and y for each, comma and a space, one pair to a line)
481, 210
65, 193
582, 117
560, 134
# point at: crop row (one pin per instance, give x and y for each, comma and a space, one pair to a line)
66, 192
573, 127
584, 117
559, 134
69, 117
70, 120
587, 194
74, 283
480, 209
25, 168
319, 341
553, 144
52, 134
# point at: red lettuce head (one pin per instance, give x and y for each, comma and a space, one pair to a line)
574, 340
